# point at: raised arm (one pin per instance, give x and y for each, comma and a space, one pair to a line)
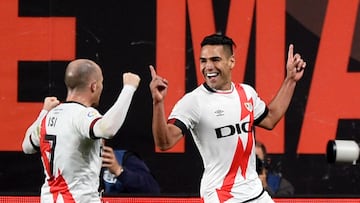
32, 136
165, 135
113, 119
277, 107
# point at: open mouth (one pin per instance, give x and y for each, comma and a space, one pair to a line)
211, 75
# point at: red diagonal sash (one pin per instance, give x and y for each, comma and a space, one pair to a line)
241, 156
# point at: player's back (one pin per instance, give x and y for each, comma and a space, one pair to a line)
71, 158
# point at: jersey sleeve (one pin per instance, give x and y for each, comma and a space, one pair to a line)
31, 142
185, 114
95, 126
113, 119
86, 120
260, 108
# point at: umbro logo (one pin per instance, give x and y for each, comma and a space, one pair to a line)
219, 112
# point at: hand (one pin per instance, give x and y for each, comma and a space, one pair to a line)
109, 161
50, 103
158, 86
295, 65
131, 79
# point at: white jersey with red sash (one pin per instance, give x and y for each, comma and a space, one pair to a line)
70, 154
221, 124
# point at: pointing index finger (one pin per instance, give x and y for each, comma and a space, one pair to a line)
291, 51
153, 72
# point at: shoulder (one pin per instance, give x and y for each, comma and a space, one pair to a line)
198, 94
76, 109
124, 155
247, 87
90, 112
128, 154
190, 98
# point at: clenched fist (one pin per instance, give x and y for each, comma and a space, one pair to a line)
50, 102
131, 79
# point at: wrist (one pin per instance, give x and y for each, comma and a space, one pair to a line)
119, 171
290, 81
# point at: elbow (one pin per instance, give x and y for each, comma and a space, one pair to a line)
167, 143
28, 149
110, 135
25, 150
167, 138
107, 136
266, 126
272, 125
163, 146
269, 127
104, 131
269, 122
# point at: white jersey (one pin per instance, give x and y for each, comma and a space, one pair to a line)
69, 139
221, 124
70, 154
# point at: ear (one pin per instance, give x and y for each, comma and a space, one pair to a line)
93, 86
232, 61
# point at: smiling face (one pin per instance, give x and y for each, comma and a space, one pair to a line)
216, 63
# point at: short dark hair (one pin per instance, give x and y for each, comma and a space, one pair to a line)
219, 39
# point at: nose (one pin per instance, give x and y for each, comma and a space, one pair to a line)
208, 65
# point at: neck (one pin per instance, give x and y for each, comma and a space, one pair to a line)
82, 99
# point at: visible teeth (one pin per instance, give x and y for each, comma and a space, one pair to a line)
212, 74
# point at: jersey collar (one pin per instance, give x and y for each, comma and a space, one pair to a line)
218, 91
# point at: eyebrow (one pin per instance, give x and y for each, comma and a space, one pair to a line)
211, 58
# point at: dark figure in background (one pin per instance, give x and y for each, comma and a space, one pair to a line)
126, 172
273, 182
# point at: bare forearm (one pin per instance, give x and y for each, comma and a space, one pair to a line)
34, 129
280, 103
166, 135
159, 126
295, 66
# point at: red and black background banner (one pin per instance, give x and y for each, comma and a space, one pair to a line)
39, 37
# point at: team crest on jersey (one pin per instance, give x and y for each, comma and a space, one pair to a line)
91, 113
248, 106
